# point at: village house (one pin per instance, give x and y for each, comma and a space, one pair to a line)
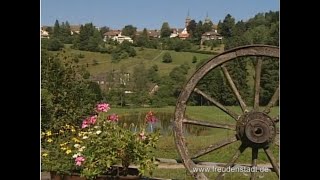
75, 29
116, 36
211, 35
44, 34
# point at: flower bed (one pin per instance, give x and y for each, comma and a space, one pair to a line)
100, 143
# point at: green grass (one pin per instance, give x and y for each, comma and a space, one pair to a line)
147, 56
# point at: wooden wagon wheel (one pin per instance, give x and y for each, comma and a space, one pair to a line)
254, 128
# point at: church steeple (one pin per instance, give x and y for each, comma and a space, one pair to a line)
188, 19
207, 19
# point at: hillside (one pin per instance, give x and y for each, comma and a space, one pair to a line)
100, 63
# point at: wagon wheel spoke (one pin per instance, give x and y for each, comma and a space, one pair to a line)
219, 105
277, 140
272, 101
232, 161
254, 162
209, 124
257, 85
214, 146
272, 160
234, 89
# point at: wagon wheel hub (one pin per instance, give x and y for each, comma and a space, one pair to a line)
256, 129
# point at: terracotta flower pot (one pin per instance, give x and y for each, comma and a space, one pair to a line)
115, 174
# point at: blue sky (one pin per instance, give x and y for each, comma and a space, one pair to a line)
149, 13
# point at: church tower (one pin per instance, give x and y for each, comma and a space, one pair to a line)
207, 19
188, 19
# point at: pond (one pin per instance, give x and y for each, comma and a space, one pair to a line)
164, 124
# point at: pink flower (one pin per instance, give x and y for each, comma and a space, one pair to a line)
85, 123
79, 160
113, 117
150, 117
93, 119
142, 136
89, 121
103, 107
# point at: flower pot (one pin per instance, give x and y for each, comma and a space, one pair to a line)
115, 174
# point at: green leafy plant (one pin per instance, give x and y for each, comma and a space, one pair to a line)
98, 145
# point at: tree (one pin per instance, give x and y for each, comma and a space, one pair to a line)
129, 30
198, 31
194, 59
89, 38
153, 75
191, 28
143, 39
54, 44
140, 87
207, 26
103, 30
167, 58
56, 29
165, 30
226, 27
65, 95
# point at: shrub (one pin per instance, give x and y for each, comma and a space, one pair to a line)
167, 58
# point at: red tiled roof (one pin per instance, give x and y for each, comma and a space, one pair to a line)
112, 33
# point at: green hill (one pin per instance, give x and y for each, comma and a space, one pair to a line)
97, 63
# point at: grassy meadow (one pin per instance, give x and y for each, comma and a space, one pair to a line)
147, 56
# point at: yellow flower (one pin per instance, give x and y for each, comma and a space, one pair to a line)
73, 130
61, 131
63, 144
48, 133
68, 151
49, 140
42, 133
76, 140
44, 154
67, 126
63, 148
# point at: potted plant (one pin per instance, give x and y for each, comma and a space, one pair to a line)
98, 146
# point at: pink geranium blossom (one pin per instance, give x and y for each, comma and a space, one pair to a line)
85, 124
113, 117
93, 119
142, 136
89, 121
103, 107
150, 117
79, 160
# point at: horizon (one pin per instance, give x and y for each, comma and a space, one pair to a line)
149, 15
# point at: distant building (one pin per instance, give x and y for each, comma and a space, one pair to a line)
75, 29
184, 34
112, 33
44, 34
154, 34
116, 36
211, 35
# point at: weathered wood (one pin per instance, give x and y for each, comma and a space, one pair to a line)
232, 160
257, 85
210, 124
272, 161
214, 146
234, 89
215, 62
272, 101
219, 105
254, 162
